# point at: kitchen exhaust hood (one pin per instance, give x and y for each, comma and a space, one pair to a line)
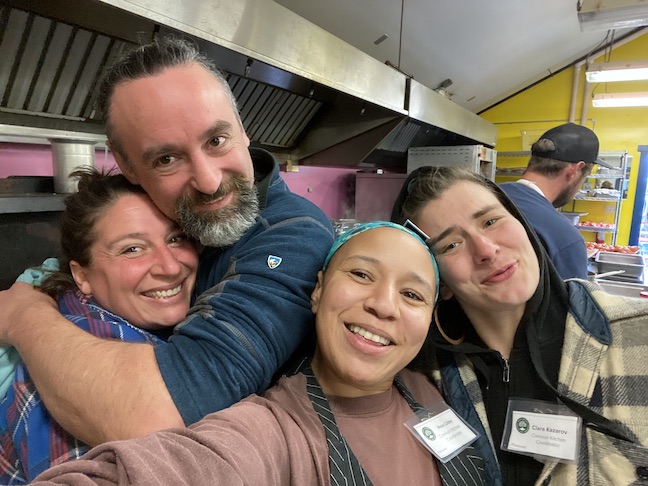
303, 93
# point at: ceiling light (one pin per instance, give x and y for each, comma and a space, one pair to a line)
611, 14
608, 72
620, 99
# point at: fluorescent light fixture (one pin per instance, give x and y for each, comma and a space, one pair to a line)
611, 14
620, 71
620, 99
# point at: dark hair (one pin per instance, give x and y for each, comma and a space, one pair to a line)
97, 192
550, 167
423, 362
428, 183
422, 186
150, 60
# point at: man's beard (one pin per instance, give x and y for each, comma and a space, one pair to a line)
567, 194
224, 226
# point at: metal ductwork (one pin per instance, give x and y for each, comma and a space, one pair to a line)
303, 93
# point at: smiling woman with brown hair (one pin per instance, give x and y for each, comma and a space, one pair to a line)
127, 274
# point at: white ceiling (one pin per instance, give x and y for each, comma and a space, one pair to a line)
489, 49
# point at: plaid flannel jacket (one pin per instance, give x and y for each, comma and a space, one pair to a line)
604, 367
30, 439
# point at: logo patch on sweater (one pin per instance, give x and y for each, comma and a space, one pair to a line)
274, 261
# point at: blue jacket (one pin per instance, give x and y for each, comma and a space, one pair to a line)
563, 242
254, 304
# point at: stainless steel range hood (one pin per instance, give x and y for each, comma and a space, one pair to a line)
302, 92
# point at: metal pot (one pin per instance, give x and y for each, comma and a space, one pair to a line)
67, 155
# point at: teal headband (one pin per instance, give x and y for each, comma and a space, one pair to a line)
361, 228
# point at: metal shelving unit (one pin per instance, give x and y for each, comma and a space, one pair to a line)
595, 229
617, 171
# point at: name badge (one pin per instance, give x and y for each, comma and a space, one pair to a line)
445, 434
542, 430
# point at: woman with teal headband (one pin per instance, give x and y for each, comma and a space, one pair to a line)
409, 227
356, 412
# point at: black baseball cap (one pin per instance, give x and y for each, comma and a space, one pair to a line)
573, 143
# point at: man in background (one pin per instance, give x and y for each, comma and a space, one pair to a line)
560, 161
174, 128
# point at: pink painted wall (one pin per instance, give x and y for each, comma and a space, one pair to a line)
25, 160
330, 188
18, 159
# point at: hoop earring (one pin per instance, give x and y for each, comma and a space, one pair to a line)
440, 328
83, 298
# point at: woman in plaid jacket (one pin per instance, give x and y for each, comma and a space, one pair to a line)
128, 274
508, 328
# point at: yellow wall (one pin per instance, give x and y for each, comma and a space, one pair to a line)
547, 104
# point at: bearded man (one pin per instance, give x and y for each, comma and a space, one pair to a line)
173, 126
560, 161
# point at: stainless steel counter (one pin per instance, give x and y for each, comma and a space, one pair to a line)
31, 203
623, 288
630, 286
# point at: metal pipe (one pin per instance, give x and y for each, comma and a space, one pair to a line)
574, 93
587, 90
